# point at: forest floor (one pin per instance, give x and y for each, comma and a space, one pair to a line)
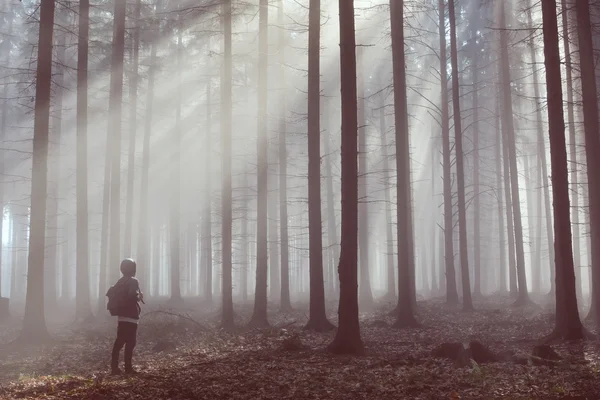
183, 359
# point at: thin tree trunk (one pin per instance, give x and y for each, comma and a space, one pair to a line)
286, 304
500, 192
568, 324
115, 109
82, 287
274, 289
391, 284
226, 207
508, 126
405, 309
317, 315
536, 274
462, 217
451, 292
34, 324
347, 339
365, 295
476, 190
259, 315
592, 141
206, 253
542, 156
133, 96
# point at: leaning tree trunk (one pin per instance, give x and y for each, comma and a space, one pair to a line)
259, 315
462, 215
317, 316
592, 141
508, 126
34, 324
347, 339
451, 292
542, 156
404, 311
82, 287
226, 207
568, 324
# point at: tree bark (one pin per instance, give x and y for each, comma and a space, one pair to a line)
226, 207
462, 215
347, 339
391, 276
476, 189
34, 324
568, 324
500, 191
451, 292
404, 311
259, 315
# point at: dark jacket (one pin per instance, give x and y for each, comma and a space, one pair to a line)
131, 308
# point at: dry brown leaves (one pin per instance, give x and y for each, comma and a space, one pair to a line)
253, 364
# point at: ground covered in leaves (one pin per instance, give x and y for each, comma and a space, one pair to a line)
186, 356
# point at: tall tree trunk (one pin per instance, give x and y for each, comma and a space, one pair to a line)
365, 295
175, 192
568, 325
536, 274
274, 279
462, 214
434, 262
317, 318
508, 126
206, 252
143, 243
259, 315
404, 311
115, 109
391, 284
133, 95
226, 207
542, 155
512, 271
572, 150
54, 170
347, 339
245, 260
331, 224
451, 292
82, 288
34, 324
530, 212
476, 189
286, 304
592, 141
500, 192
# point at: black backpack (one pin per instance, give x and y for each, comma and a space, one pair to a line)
117, 295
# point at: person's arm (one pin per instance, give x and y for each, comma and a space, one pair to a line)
134, 288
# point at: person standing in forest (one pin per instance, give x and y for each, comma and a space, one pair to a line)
123, 301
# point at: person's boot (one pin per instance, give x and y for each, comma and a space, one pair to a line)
130, 371
116, 371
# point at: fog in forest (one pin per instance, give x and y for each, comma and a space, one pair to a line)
274, 164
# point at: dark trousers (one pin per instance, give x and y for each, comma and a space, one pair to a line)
126, 336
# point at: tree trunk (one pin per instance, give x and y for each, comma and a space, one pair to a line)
274, 279
226, 207
508, 127
133, 89
500, 192
572, 150
568, 325
175, 192
592, 141
82, 287
542, 157
317, 317
206, 249
451, 292
365, 295
391, 284
476, 189
404, 311
286, 304
143, 243
347, 339
462, 215
115, 109
34, 324
259, 316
